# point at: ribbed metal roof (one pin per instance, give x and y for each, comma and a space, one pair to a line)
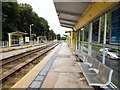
69, 12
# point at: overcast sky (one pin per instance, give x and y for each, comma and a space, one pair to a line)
46, 9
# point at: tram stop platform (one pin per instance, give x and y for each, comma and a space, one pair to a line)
59, 69
8, 49
11, 51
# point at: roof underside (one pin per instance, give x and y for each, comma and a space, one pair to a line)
70, 12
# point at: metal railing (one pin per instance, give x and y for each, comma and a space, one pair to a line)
3, 43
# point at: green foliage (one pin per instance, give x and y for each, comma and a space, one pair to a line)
10, 15
51, 35
58, 37
18, 17
63, 38
96, 48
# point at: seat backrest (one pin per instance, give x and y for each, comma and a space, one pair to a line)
84, 58
105, 73
89, 59
80, 56
95, 64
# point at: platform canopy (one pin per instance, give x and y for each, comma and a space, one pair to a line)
70, 11
77, 13
18, 32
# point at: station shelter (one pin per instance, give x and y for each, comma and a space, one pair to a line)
17, 38
41, 39
94, 25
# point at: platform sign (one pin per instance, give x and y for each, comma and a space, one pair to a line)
21, 38
115, 28
26, 39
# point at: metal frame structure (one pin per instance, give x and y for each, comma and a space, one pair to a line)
90, 13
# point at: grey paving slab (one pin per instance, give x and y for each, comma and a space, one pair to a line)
39, 78
47, 67
64, 72
42, 74
35, 84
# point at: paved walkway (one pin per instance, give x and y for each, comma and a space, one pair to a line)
59, 69
65, 72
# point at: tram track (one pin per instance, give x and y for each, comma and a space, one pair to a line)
21, 55
37, 54
10, 62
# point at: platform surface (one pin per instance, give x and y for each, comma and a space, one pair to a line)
59, 69
65, 72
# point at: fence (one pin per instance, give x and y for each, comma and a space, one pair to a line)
6, 43
3, 43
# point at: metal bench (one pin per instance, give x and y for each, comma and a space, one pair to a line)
102, 78
91, 66
96, 73
80, 56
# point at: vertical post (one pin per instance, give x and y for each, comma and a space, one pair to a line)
83, 35
9, 40
82, 39
99, 30
56, 37
30, 32
74, 40
7, 44
104, 42
78, 39
90, 40
71, 39
3, 44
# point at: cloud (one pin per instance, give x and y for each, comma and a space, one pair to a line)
46, 9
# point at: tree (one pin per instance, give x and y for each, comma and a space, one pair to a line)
18, 17
58, 37
51, 35
10, 16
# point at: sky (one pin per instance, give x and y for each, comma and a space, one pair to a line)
46, 9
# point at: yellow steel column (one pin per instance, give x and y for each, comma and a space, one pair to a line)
68, 40
74, 41
11, 39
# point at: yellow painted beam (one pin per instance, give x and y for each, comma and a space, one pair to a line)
96, 9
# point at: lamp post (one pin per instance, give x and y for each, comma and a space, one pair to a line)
31, 30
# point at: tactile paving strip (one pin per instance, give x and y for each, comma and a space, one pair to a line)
38, 81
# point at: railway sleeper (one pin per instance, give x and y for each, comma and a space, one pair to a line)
19, 56
12, 71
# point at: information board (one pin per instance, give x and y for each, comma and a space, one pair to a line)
26, 39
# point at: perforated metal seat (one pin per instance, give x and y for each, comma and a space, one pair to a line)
102, 78
96, 73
